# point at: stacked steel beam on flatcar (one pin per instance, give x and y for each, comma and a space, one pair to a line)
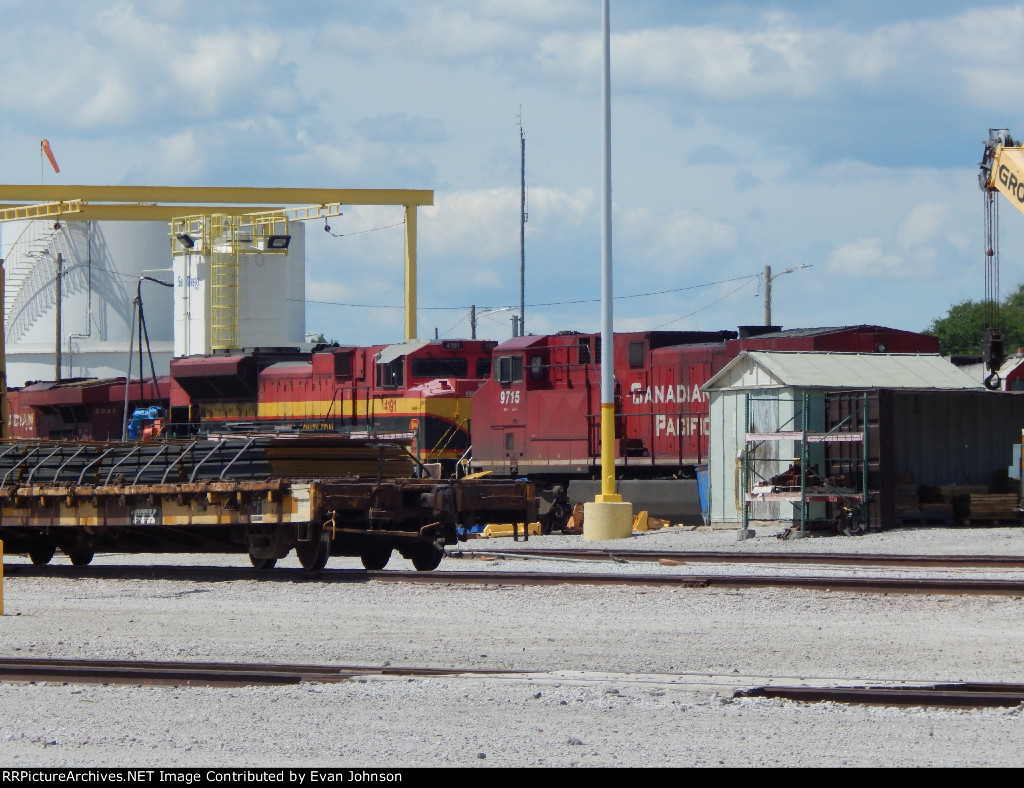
48, 463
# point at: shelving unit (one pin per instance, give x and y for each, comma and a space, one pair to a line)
830, 466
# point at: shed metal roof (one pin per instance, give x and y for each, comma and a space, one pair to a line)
765, 369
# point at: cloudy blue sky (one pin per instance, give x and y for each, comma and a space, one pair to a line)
837, 134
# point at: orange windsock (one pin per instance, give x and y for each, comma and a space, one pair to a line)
49, 155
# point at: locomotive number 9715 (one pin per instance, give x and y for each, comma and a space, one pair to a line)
509, 397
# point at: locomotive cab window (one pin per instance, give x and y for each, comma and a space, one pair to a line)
509, 369
636, 355
583, 352
483, 367
392, 374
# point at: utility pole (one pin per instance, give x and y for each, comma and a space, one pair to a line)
768, 288
472, 322
60, 294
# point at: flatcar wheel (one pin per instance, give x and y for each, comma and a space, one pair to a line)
41, 556
81, 557
426, 558
313, 555
376, 559
262, 563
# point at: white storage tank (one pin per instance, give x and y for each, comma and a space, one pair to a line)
103, 264
270, 298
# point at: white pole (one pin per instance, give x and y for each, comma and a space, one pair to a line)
607, 335
608, 517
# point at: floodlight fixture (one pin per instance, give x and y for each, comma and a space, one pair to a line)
186, 240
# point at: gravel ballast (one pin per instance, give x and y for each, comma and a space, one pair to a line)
600, 651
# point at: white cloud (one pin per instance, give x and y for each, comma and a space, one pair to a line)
927, 242
964, 56
778, 59
866, 259
129, 68
539, 13
675, 240
928, 226
484, 224
436, 32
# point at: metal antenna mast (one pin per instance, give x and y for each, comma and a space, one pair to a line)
522, 225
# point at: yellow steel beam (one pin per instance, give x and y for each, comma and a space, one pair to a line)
45, 210
167, 203
410, 272
112, 212
227, 195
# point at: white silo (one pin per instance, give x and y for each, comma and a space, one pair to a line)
264, 305
102, 264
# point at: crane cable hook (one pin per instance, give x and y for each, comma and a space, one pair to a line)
993, 382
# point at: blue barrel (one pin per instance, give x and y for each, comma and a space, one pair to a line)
704, 492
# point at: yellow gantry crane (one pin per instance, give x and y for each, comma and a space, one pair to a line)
253, 207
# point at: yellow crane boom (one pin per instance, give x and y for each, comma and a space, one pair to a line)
1002, 171
1002, 167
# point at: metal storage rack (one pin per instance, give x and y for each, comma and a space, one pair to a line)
850, 430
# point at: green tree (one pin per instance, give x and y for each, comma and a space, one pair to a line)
959, 332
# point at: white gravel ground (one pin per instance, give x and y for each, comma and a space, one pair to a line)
609, 658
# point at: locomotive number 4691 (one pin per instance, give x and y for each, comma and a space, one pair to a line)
510, 398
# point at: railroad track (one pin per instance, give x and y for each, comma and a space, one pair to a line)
671, 557
854, 584
221, 674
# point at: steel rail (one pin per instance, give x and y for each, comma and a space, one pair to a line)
830, 559
953, 585
228, 674
207, 673
942, 695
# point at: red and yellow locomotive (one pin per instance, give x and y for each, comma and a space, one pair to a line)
419, 390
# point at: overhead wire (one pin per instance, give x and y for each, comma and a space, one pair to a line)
707, 306
746, 279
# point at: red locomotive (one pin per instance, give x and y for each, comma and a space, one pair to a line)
539, 414
418, 389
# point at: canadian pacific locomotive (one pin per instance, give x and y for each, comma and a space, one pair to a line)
538, 415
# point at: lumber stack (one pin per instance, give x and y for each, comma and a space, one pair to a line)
991, 509
908, 507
